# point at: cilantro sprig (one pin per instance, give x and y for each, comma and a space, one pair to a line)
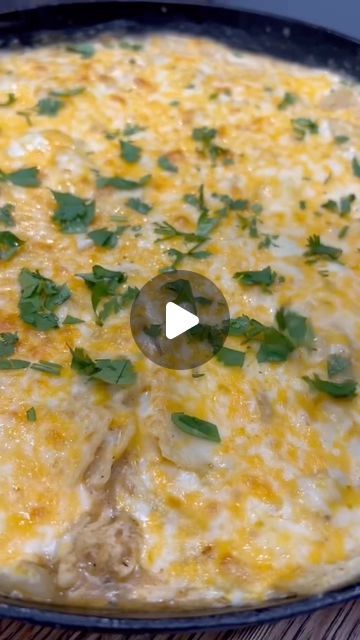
276, 344
263, 278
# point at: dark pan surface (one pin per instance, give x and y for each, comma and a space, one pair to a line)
288, 40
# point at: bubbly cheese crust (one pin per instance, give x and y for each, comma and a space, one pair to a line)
102, 499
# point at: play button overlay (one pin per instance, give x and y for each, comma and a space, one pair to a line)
180, 320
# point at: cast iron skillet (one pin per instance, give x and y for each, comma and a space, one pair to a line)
258, 33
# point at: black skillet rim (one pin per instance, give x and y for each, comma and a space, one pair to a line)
24, 23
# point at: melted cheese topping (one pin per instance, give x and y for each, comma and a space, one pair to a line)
274, 508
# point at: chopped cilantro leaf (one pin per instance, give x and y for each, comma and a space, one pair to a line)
28, 177
138, 205
343, 231
132, 129
67, 93
343, 207
231, 357
118, 371
167, 231
123, 184
296, 326
166, 165
118, 302
103, 283
84, 49
39, 297
31, 414
9, 244
338, 364
205, 136
73, 214
302, 126
49, 106
288, 100
72, 320
345, 389
104, 238
130, 46
265, 277
316, 250
274, 347
51, 368
6, 215
13, 365
129, 152
196, 427
356, 167
8, 342
341, 139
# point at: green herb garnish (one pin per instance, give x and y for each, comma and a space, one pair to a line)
138, 205
317, 251
72, 320
104, 238
129, 152
13, 365
337, 364
231, 357
116, 371
49, 106
132, 129
288, 100
130, 46
9, 244
39, 298
8, 342
166, 165
205, 136
345, 389
52, 368
6, 215
356, 167
196, 427
73, 214
343, 231
341, 139
302, 126
295, 326
31, 414
84, 49
67, 93
343, 207
120, 183
264, 278
28, 177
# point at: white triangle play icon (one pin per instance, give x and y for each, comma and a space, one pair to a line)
178, 320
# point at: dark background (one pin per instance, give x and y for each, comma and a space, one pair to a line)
339, 15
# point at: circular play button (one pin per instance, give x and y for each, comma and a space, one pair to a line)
179, 320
